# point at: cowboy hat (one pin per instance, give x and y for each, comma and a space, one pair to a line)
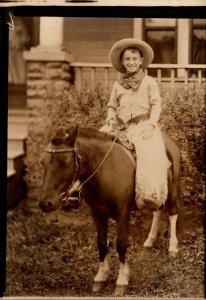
120, 46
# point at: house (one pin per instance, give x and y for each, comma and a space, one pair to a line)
53, 48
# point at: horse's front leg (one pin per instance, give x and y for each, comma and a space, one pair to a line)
173, 245
103, 271
153, 230
122, 235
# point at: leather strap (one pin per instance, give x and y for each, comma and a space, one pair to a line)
137, 119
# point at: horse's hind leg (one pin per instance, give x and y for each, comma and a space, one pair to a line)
103, 271
173, 211
153, 230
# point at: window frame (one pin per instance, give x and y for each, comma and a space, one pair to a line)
192, 28
162, 28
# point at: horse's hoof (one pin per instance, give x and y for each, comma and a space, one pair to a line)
148, 244
120, 290
147, 247
173, 254
98, 286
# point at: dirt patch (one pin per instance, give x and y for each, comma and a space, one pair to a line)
56, 255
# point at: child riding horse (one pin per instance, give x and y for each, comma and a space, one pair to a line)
135, 100
104, 169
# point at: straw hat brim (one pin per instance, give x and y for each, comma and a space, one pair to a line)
120, 46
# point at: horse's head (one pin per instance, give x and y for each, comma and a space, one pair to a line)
60, 168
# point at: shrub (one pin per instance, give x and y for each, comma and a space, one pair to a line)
60, 109
183, 116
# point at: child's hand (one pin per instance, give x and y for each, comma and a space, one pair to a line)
147, 132
112, 123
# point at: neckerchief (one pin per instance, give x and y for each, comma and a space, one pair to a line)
131, 80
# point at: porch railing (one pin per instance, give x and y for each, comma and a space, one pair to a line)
170, 73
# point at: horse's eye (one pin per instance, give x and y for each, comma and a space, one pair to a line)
42, 161
63, 163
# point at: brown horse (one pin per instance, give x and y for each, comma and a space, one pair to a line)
106, 173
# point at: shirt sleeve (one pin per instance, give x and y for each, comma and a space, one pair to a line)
112, 104
155, 102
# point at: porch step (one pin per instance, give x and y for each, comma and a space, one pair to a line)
22, 127
19, 115
10, 173
17, 121
14, 158
16, 187
17, 141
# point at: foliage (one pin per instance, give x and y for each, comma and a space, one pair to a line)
183, 116
60, 109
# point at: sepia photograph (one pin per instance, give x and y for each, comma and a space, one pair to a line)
105, 154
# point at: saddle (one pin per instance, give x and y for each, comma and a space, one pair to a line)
121, 138
120, 131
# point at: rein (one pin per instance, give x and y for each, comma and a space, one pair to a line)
97, 169
76, 183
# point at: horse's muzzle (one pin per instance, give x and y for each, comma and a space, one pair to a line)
70, 201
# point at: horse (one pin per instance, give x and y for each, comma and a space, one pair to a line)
105, 171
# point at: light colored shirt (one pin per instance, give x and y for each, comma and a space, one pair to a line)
129, 103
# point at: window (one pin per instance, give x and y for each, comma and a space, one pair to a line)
160, 34
198, 41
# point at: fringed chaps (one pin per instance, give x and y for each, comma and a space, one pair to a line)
152, 166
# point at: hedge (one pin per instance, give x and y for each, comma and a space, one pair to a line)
183, 116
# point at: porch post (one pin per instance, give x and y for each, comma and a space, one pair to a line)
51, 32
48, 63
183, 42
48, 75
138, 28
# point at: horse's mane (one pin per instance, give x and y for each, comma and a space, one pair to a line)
91, 132
83, 131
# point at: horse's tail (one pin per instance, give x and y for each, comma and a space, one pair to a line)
176, 178
174, 155
175, 194
180, 219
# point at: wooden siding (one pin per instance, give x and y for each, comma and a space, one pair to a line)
90, 39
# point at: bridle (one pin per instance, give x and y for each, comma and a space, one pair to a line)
76, 185
65, 197
76, 153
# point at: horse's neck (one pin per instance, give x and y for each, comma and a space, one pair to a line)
92, 151
92, 146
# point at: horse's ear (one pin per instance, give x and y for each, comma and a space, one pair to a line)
71, 136
56, 138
